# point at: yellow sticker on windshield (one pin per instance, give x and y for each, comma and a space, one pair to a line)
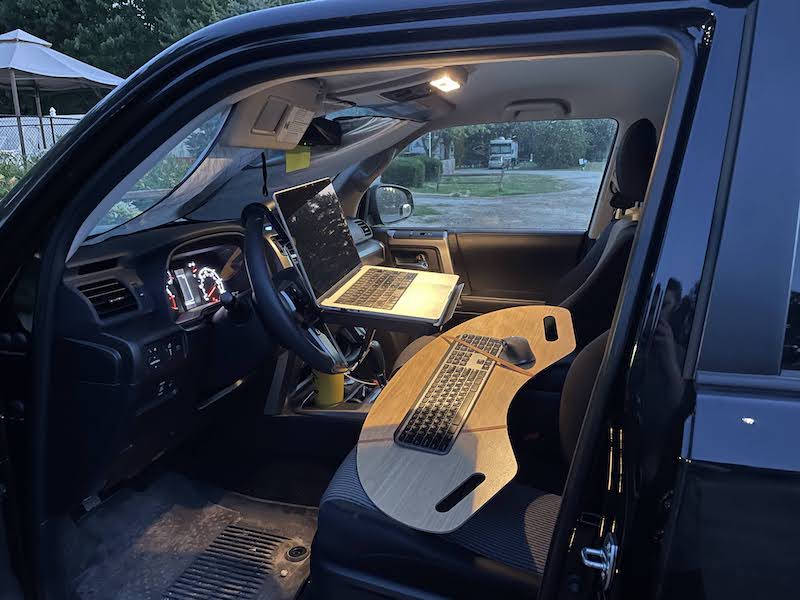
298, 158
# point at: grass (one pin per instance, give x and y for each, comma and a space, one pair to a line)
590, 166
595, 166
426, 211
489, 186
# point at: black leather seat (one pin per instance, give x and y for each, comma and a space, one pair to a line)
501, 552
590, 289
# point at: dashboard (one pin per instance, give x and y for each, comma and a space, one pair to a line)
146, 353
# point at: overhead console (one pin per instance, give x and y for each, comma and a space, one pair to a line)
276, 118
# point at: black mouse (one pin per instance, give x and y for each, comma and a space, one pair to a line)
517, 351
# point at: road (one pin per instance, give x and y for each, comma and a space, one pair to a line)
567, 210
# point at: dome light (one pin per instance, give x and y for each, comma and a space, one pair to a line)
448, 81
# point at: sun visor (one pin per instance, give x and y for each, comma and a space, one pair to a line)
276, 118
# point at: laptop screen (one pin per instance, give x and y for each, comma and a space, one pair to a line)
319, 233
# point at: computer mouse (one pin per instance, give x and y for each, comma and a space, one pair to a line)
517, 351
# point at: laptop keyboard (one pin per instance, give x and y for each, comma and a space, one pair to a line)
377, 288
436, 419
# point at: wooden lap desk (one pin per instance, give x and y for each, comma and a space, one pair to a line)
407, 484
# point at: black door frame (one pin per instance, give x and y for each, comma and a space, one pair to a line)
673, 262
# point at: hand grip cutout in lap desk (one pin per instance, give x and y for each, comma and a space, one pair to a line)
438, 492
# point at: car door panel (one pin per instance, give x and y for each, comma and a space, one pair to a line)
421, 250
498, 269
511, 268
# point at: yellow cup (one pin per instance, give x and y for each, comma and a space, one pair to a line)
329, 388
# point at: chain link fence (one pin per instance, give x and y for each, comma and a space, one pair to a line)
38, 136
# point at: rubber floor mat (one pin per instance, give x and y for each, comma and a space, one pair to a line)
235, 565
182, 540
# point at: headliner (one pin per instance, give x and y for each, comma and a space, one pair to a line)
625, 86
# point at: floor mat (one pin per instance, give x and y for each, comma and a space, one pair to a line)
181, 539
235, 565
291, 480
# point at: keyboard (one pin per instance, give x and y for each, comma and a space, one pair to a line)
438, 415
377, 288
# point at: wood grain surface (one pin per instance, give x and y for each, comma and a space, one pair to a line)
407, 484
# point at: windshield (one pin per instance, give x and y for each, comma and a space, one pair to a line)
501, 148
166, 175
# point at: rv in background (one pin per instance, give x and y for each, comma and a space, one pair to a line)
503, 153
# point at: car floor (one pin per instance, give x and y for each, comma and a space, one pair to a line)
179, 538
215, 518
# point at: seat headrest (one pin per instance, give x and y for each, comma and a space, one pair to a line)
634, 164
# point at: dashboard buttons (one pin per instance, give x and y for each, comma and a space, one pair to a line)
165, 388
164, 352
153, 357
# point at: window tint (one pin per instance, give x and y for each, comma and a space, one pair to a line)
164, 177
537, 175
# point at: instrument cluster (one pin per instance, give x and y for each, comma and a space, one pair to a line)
198, 278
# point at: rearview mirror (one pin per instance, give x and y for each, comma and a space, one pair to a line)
391, 203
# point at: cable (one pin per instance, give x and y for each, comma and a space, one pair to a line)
364, 351
373, 383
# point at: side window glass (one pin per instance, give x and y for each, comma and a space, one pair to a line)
530, 176
166, 175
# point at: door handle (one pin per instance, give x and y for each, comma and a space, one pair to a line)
420, 261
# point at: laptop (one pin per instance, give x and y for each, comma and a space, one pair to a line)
326, 256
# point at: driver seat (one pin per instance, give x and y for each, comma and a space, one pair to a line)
360, 553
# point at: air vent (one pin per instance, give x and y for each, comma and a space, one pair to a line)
109, 297
364, 227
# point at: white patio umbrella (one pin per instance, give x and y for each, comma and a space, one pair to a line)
29, 62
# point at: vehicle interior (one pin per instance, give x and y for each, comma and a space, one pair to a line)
185, 428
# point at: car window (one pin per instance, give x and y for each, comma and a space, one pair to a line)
535, 175
166, 175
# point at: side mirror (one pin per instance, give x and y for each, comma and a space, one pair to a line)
390, 203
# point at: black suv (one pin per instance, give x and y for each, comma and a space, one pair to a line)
174, 422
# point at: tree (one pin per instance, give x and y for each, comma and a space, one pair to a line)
599, 137
240, 7
552, 144
558, 144
52, 21
467, 143
178, 18
119, 36
115, 36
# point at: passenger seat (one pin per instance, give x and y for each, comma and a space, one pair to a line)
359, 553
590, 290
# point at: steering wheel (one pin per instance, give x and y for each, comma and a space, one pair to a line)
275, 308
